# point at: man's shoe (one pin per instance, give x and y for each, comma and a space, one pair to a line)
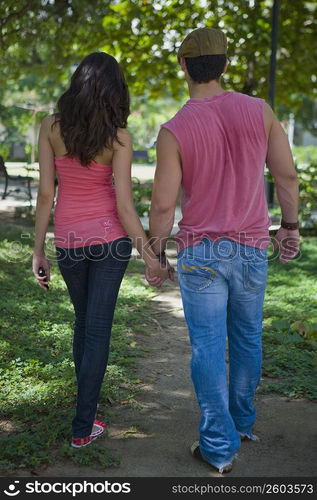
196, 453
249, 437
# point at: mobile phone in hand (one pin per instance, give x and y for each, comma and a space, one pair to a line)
43, 273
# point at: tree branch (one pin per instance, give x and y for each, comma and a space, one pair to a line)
17, 14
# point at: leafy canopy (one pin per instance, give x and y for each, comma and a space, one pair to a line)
42, 40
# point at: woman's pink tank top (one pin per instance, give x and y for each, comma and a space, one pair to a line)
86, 211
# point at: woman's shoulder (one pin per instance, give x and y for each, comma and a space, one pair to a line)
48, 122
123, 133
124, 138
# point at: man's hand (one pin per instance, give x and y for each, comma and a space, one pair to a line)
166, 264
288, 243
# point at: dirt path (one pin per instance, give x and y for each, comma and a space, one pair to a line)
154, 438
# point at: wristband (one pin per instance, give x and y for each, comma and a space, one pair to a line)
292, 226
161, 256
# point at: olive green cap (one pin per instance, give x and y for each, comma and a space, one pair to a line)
203, 42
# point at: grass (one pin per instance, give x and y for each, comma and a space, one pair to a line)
290, 326
37, 383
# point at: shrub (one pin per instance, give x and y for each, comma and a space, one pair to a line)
307, 176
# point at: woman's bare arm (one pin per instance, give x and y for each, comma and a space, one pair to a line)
121, 165
45, 198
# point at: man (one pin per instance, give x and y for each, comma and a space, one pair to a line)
215, 148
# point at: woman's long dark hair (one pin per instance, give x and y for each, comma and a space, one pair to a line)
94, 107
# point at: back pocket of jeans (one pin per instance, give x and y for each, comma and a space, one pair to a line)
197, 277
254, 275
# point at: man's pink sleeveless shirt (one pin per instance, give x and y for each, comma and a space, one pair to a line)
86, 211
223, 148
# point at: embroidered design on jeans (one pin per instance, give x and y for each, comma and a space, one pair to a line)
191, 268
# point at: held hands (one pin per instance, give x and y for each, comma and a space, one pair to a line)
157, 273
288, 243
41, 261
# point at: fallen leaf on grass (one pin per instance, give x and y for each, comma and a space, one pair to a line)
127, 401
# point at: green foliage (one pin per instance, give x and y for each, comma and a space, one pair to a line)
42, 42
142, 193
15, 122
305, 154
46, 38
4, 150
146, 118
17, 118
37, 382
306, 111
305, 158
90, 455
290, 326
307, 176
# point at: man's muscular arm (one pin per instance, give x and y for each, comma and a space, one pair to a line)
280, 162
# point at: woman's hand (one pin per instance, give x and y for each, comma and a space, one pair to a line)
41, 261
157, 273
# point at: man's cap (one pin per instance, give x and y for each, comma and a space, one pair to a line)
203, 42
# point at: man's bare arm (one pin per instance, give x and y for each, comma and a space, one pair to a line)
167, 181
281, 165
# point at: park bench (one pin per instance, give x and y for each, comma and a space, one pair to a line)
14, 179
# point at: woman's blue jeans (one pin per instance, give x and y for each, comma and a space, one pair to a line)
93, 275
222, 286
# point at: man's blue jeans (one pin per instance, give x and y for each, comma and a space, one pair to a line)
222, 286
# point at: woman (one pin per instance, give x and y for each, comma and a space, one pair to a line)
87, 144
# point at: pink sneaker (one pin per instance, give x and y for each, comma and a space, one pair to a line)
98, 424
97, 430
